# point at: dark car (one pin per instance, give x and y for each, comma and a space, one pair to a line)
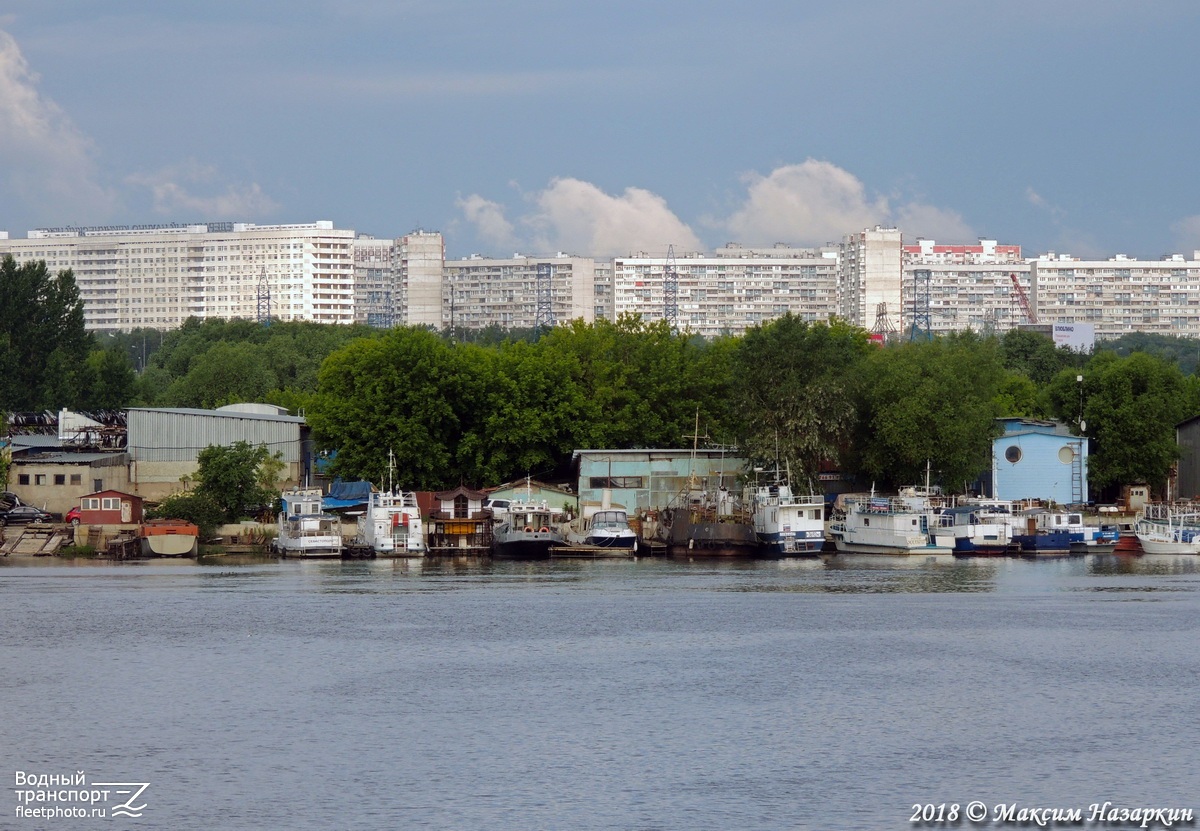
24, 513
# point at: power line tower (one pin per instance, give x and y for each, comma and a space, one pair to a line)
263, 309
671, 290
922, 279
883, 322
544, 318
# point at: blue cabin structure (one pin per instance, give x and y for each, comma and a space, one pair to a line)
1035, 459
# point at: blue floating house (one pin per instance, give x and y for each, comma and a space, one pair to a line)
1043, 460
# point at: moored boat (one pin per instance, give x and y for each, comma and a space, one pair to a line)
903, 524
708, 523
787, 524
391, 525
1168, 528
526, 530
168, 538
605, 532
977, 529
303, 529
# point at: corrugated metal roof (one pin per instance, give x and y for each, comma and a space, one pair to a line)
68, 458
220, 414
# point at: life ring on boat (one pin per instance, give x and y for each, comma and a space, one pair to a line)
544, 530
528, 529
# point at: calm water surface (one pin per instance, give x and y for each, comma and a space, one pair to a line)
798, 694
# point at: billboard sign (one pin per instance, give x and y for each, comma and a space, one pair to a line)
1078, 337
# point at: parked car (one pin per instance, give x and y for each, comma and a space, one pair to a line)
20, 514
73, 516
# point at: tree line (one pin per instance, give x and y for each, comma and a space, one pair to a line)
486, 407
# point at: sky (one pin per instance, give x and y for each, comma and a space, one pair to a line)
615, 127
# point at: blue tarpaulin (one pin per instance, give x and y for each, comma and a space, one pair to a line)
346, 495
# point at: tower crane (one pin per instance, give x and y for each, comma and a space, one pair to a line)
1023, 299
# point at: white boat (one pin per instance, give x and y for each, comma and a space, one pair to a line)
604, 532
526, 530
304, 530
391, 525
978, 528
787, 524
904, 524
1168, 529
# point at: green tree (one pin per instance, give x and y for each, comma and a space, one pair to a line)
1130, 406
795, 385
111, 382
197, 508
930, 403
232, 478
43, 343
409, 392
1035, 356
226, 374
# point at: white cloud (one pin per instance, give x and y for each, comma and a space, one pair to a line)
807, 204
1187, 234
174, 191
46, 163
574, 216
918, 220
577, 216
816, 202
489, 221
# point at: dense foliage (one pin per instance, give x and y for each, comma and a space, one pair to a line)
492, 406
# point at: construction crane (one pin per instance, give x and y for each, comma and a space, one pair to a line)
1023, 299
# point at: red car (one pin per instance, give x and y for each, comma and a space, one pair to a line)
73, 516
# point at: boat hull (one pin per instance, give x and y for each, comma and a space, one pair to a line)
791, 545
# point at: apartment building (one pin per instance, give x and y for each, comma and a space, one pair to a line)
731, 291
520, 292
157, 276
399, 282
950, 288
1119, 295
869, 278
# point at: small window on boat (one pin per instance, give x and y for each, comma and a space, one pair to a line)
1066, 454
1013, 454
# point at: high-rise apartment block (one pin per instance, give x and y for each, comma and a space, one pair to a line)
868, 280
518, 292
949, 288
729, 292
158, 276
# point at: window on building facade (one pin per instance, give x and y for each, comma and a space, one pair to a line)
1013, 454
60, 479
39, 479
615, 482
22, 478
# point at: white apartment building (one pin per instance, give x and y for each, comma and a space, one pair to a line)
157, 276
729, 292
422, 257
399, 282
1119, 295
478, 292
375, 284
869, 278
950, 288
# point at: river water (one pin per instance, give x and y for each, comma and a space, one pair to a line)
796, 694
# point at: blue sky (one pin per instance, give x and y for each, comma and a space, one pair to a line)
605, 128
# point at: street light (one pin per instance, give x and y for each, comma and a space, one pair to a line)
1082, 423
